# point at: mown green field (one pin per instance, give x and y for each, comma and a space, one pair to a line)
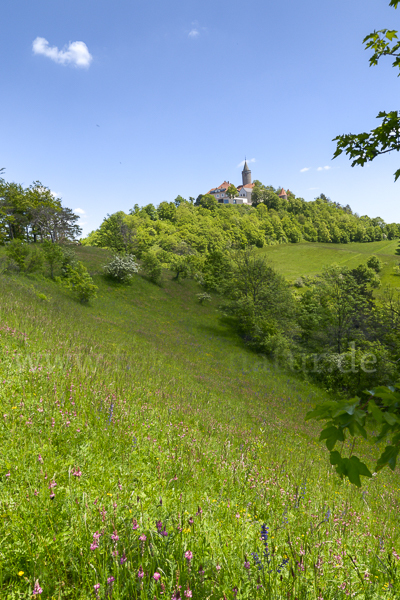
295, 260
146, 453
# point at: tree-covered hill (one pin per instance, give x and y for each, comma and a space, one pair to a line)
205, 225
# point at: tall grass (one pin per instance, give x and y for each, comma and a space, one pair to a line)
145, 453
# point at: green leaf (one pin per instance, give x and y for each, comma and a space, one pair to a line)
390, 418
375, 412
331, 435
388, 457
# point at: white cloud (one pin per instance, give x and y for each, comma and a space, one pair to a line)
193, 33
324, 168
304, 170
76, 53
249, 160
79, 211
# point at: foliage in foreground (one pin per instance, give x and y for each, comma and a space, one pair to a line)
357, 417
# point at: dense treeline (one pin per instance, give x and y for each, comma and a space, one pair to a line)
205, 225
33, 214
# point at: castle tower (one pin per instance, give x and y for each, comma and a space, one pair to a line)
246, 174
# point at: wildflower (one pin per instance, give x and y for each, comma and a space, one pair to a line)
40, 459
52, 484
397, 557
37, 589
135, 524
199, 512
247, 564
8, 474
143, 538
156, 576
188, 556
110, 581
237, 515
164, 532
159, 526
218, 567
77, 472
188, 593
115, 536
52, 495
35, 493
20, 573
191, 521
140, 572
235, 591
96, 589
123, 559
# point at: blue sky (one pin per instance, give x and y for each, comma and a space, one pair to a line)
166, 98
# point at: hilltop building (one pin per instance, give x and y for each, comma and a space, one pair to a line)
244, 190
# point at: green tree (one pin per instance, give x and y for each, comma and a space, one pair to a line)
365, 147
79, 282
152, 266
53, 255
232, 192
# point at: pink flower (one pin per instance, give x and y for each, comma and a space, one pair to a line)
8, 474
143, 538
157, 576
77, 472
218, 567
40, 459
135, 524
188, 593
115, 536
110, 581
188, 555
237, 515
140, 572
37, 589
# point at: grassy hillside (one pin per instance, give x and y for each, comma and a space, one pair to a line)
143, 415
295, 260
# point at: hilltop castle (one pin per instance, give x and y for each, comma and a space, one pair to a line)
244, 191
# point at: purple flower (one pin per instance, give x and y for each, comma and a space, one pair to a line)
94, 546
140, 572
110, 581
123, 559
40, 459
159, 526
96, 589
143, 538
37, 589
157, 576
188, 555
135, 524
247, 565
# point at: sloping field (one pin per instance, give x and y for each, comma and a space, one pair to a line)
145, 453
295, 260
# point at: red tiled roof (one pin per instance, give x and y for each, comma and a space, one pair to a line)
283, 193
223, 186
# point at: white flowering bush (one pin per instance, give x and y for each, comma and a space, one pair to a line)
122, 267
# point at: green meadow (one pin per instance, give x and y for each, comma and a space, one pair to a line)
306, 258
147, 453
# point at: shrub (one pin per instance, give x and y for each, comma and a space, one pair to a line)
122, 267
152, 266
202, 297
18, 252
374, 263
396, 270
53, 255
79, 282
68, 260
